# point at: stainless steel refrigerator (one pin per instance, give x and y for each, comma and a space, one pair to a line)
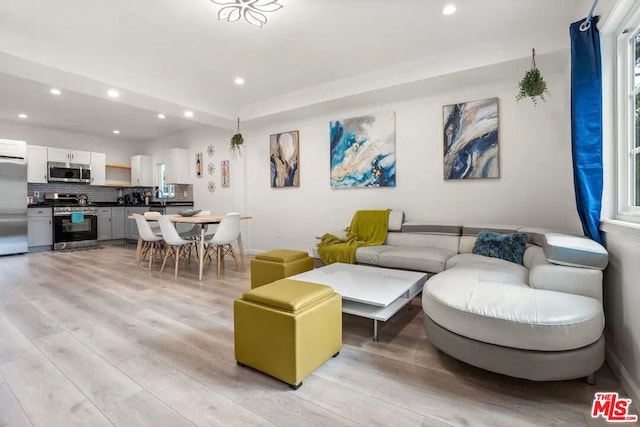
13, 197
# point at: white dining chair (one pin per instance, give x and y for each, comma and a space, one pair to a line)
194, 231
153, 216
220, 243
151, 242
174, 242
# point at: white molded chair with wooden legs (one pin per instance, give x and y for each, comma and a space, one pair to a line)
194, 232
220, 243
174, 242
153, 217
151, 243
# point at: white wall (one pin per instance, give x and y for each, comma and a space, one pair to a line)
535, 186
223, 199
118, 150
621, 298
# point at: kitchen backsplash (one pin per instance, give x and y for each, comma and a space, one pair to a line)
103, 194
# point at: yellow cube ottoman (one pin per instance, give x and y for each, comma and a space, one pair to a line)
287, 329
270, 266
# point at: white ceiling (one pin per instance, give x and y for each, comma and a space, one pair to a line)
175, 54
77, 112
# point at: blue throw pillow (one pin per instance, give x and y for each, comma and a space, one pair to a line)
509, 247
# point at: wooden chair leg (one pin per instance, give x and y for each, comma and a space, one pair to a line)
218, 260
153, 246
225, 249
235, 258
166, 255
177, 261
139, 253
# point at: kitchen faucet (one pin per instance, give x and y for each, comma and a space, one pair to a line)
159, 194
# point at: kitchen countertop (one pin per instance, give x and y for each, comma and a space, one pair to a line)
115, 204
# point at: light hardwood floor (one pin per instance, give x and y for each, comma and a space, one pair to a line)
86, 338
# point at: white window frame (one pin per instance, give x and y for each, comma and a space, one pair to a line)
625, 118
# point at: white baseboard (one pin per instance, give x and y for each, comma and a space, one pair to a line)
627, 382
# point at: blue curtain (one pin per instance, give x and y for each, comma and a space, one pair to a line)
586, 125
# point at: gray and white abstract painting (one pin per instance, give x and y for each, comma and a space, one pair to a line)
471, 140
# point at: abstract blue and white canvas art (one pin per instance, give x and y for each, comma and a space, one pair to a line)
363, 151
471, 140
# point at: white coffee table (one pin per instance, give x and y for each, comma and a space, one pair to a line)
367, 291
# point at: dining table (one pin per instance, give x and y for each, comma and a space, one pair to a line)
203, 221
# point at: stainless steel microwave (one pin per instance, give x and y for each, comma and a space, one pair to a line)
69, 172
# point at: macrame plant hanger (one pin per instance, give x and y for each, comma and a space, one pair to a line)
237, 140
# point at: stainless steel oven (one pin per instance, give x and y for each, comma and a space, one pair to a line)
75, 227
69, 172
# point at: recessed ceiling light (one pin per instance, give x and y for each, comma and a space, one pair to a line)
113, 93
449, 9
239, 81
188, 113
23, 116
162, 116
116, 131
55, 91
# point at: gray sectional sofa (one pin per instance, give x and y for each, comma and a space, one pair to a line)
542, 320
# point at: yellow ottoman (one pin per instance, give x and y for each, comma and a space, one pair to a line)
270, 266
287, 329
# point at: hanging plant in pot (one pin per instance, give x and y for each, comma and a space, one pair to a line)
237, 140
532, 84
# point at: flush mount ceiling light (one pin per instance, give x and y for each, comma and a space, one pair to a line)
239, 81
449, 9
23, 116
55, 91
188, 113
116, 132
162, 116
253, 11
113, 93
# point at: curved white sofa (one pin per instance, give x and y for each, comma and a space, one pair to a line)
542, 320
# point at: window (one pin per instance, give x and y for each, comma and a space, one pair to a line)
634, 100
168, 190
628, 113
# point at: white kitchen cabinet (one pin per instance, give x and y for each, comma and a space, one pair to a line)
104, 224
141, 171
36, 164
80, 157
177, 166
98, 169
60, 155
118, 222
40, 227
64, 155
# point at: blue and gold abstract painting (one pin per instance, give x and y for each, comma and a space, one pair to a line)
363, 151
471, 140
